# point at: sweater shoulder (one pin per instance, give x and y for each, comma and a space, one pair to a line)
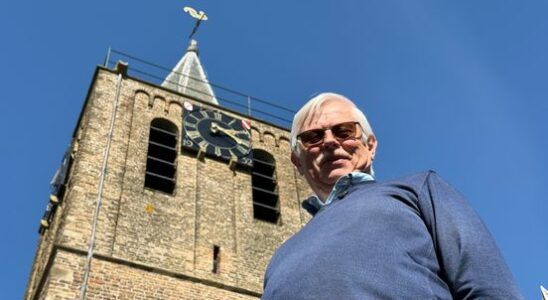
416, 184
415, 181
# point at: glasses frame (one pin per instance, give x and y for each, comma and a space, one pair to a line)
357, 134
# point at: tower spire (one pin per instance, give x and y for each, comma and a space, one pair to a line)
188, 77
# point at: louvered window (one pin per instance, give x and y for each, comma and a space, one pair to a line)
161, 156
265, 187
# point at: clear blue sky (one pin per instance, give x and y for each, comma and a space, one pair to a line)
455, 86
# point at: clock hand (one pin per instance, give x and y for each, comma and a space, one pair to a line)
235, 138
216, 128
233, 131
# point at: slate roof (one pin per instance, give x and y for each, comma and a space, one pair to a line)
189, 78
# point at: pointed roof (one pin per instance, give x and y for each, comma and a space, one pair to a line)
189, 78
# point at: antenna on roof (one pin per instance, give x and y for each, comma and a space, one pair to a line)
199, 16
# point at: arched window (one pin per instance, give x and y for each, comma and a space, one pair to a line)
162, 153
265, 187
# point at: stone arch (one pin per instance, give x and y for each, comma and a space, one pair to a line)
175, 107
159, 101
256, 134
143, 96
284, 142
267, 135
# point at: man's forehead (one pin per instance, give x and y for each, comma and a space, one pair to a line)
327, 110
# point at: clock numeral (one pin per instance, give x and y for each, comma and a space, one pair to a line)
187, 143
218, 116
245, 141
190, 125
191, 118
246, 161
203, 144
243, 135
226, 152
193, 134
218, 151
231, 122
204, 113
242, 149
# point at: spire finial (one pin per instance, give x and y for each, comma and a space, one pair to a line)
192, 46
199, 16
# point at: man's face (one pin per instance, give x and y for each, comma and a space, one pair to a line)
326, 162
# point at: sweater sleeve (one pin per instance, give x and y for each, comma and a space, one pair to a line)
470, 262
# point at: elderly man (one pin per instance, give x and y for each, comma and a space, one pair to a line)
412, 238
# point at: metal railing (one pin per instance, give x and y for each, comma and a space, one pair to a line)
229, 98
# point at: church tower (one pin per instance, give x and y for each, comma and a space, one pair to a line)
165, 194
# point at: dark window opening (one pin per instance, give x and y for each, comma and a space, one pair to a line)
216, 258
265, 187
58, 187
47, 218
161, 156
161, 151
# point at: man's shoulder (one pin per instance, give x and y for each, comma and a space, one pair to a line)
415, 179
416, 183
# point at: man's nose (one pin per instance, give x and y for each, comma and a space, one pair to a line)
329, 139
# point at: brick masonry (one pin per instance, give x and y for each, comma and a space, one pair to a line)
166, 253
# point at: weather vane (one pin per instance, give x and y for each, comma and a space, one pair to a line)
199, 16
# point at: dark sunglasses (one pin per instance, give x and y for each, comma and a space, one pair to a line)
341, 132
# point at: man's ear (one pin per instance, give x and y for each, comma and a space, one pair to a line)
372, 145
296, 162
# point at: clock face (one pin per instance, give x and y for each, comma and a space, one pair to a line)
218, 135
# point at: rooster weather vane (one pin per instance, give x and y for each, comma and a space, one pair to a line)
199, 16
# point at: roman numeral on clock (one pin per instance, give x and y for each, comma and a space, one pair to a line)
194, 134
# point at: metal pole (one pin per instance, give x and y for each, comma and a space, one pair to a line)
87, 267
107, 58
248, 105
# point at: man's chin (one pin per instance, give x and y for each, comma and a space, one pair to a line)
334, 175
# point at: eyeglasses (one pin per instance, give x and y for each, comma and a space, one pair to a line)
342, 132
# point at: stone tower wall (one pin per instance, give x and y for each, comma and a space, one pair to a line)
165, 252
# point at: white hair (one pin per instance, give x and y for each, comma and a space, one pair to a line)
313, 105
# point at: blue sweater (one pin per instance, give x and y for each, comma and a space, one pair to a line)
414, 238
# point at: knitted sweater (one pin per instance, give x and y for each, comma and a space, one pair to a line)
413, 238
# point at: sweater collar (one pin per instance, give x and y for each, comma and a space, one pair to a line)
313, 204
